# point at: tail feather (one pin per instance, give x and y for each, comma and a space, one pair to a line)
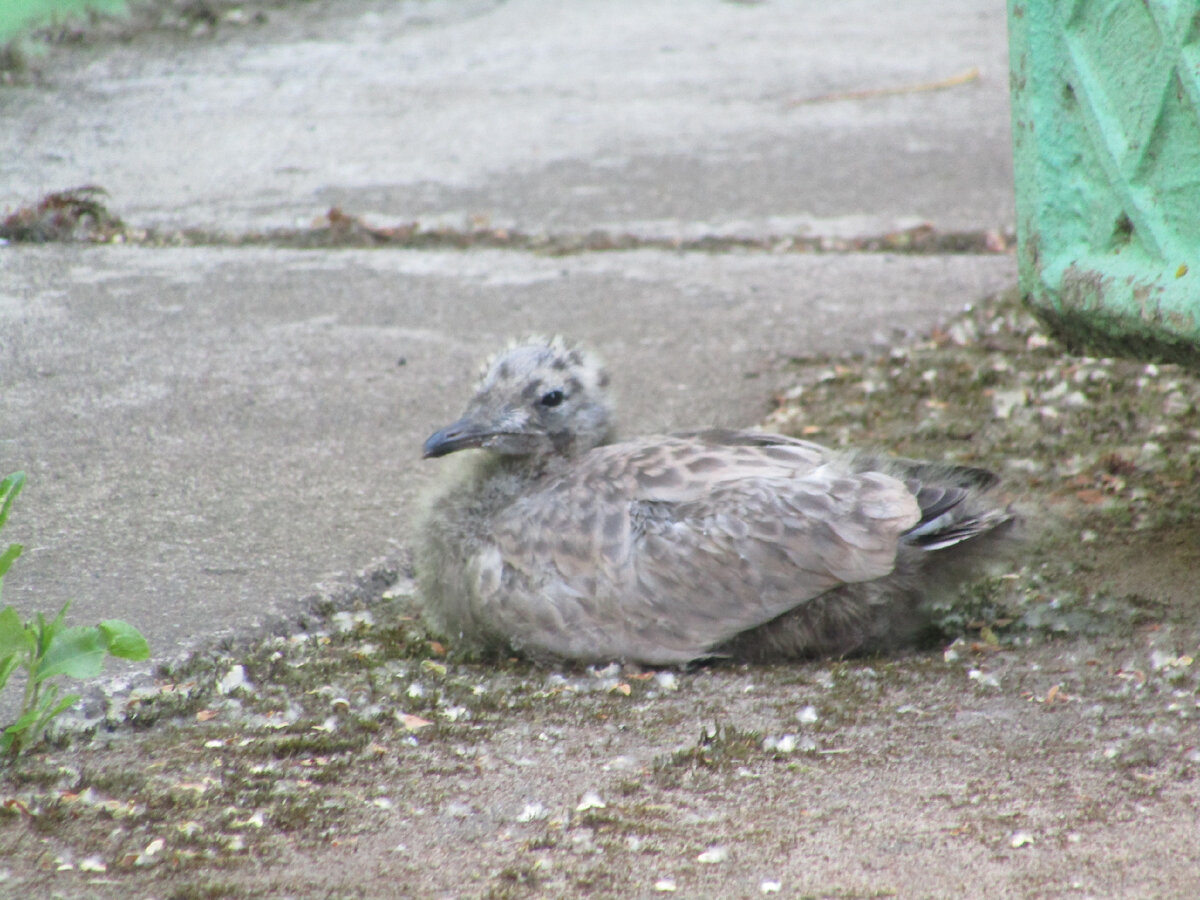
938, 535
947, 518
935, 501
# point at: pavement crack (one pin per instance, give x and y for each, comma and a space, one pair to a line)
79, 215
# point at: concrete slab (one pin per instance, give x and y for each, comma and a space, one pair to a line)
211, 434
671, 117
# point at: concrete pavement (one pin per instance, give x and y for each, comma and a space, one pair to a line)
669, 116
213, 434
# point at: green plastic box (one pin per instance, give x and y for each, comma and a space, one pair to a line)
1106, 147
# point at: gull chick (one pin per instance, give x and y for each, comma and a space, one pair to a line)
557, 543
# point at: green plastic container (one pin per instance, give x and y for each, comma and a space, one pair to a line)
1106, 141
17, 16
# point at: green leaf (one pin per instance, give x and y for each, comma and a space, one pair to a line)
45, 701
64, 704
9, 488
29, 726
7, 557
77, 652
8, 665
10, 736
124, 640
48, 709
23, 722
47, 631
14, 636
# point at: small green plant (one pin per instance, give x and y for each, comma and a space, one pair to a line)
48, 649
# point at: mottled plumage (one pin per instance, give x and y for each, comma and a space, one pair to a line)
558, 544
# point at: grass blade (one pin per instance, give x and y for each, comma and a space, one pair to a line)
9, 488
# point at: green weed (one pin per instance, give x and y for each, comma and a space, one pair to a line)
46, 650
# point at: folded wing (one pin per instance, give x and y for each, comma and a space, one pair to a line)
659, 550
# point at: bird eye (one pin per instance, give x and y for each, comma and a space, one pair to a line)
552, 398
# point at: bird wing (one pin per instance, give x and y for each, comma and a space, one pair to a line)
659, 550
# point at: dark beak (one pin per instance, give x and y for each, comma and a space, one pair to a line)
460, 435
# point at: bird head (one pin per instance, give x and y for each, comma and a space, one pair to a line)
539, 398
